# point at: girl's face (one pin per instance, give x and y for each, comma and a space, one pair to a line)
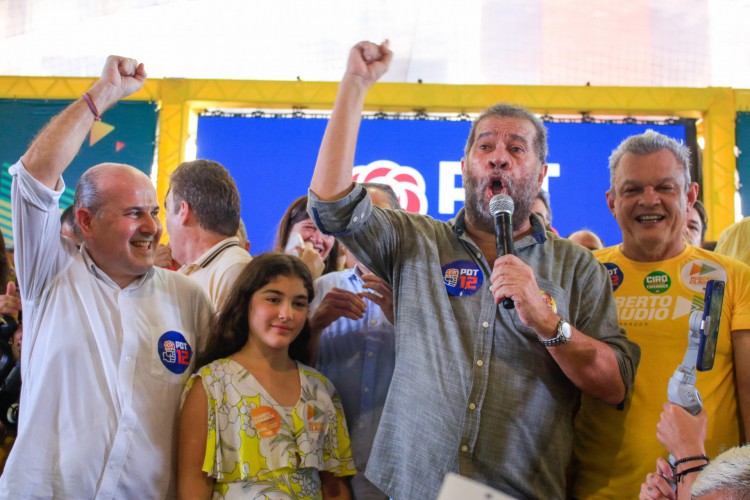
307, 230
278, 312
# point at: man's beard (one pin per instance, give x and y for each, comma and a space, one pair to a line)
478, 210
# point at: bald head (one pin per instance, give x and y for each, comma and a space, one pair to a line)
587, 239
97, 182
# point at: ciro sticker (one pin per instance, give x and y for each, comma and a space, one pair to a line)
175, 352
657, 282
462, 277
615, 275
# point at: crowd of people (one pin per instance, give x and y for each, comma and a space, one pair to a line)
374, 350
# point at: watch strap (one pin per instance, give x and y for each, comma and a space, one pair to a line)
558, 339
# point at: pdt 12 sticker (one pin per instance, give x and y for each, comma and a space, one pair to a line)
615, 275
462, 277
175, 352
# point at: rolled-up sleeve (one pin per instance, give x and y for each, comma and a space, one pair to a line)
341, 217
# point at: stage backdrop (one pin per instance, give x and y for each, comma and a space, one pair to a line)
127, 135
272, 159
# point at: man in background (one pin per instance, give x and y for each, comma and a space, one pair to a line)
587, 239
203, 217
735, 241
696, 224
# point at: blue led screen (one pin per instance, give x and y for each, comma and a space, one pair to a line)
272, 160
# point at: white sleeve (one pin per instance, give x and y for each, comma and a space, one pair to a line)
39, 252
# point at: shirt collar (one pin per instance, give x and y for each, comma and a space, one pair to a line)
538, 233
102, 276
211, 254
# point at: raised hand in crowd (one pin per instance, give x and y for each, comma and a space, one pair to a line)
58, 143
312, 259
683, 435
10, 303
336, 304
163, 256
381, 294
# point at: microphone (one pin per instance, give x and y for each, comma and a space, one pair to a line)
501, 208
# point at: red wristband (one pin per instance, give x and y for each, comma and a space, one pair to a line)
92, 106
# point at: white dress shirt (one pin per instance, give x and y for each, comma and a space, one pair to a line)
103, 367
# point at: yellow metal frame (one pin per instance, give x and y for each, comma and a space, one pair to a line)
181, 100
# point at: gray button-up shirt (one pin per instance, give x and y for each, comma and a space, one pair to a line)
473, 390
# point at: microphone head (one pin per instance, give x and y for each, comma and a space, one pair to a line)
501, 203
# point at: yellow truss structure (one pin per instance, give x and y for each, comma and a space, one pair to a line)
181, 100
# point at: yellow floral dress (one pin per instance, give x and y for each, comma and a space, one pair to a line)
258, 449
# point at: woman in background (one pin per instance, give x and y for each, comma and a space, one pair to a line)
297, 235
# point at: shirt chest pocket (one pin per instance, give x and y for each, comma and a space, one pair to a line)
171, 355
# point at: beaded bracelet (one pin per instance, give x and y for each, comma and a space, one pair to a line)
690, 459
678, 477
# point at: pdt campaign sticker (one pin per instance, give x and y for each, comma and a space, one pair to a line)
462, 277
615, 275
175, 352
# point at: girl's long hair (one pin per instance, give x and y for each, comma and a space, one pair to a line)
231, 330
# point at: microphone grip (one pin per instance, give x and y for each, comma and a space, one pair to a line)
504, 239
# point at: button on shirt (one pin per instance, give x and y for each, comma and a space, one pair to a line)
103, 367
517, 437
358, 357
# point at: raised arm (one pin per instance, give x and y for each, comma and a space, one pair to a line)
58, 143
332, 178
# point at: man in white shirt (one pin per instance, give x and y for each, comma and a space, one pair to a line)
203, 216
110, 339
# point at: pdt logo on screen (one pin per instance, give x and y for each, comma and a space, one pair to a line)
175, 352
407, 182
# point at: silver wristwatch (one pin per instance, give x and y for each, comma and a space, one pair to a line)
564, 331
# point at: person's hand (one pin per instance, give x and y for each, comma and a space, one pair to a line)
336, 304
10, 303
312, 259
512, 277
163, 256
368, 62
655, 486
120, 78
381, 294
682, 434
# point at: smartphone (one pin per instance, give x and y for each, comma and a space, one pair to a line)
714, 300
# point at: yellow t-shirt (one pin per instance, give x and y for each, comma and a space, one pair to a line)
615, 449
735, 241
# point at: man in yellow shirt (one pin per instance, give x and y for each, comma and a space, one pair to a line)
658, 280
735, 241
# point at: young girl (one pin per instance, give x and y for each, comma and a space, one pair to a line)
256, 422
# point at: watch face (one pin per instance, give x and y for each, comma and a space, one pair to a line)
566, 330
